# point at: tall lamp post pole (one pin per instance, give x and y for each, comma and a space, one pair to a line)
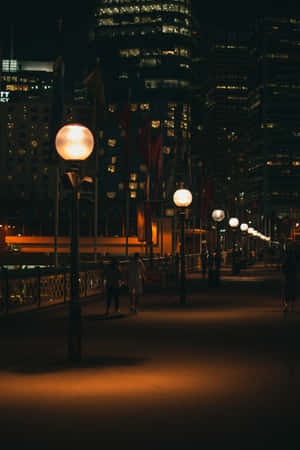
218, 216
74, 143
244, 230
234, 223
182, 199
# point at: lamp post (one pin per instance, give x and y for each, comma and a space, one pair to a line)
74, 143
244, 230
218, 216
182, 199
234, 223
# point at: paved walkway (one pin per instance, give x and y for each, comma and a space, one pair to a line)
222, 371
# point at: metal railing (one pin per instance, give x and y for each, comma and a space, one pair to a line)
29, 289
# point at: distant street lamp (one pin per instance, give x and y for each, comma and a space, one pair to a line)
182, 199
74, 143
244, 228
234, 223
218, 216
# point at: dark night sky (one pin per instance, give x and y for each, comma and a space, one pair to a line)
35, 21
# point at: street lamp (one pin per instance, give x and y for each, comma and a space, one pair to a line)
234, 223
74, 143
218, 216
182, 199
244, 230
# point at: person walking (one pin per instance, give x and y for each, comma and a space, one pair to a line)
113, 280
289, 269
136, 273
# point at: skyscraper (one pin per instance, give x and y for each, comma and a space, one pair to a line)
274, 152
145, 52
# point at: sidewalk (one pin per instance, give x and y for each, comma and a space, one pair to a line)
220, 372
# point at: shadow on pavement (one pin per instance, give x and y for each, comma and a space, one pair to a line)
40, 366
105, 316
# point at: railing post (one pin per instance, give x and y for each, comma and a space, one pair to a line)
65, 286
177, 268
86, 283
38, 286
6, 291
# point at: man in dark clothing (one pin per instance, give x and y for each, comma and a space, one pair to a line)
113, 279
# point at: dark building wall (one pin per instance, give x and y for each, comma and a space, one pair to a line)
275, 168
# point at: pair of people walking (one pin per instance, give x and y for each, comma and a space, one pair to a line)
114, 280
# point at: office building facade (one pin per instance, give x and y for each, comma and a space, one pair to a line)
274, 150
145, 53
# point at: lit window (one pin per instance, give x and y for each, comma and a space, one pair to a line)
111, 195
133, 176
132, 194
111, 142
133, 107
155, 123
133, 186
114, 160
111, 168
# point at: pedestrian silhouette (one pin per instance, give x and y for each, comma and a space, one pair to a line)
113, 278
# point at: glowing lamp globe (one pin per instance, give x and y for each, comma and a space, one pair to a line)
250, 230
244, 227
234, 222
182, 198
74, 142
218, 215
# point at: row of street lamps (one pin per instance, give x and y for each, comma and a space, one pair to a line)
218, 215
75, 143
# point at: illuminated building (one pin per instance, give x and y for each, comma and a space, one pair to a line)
29, 78
25, 176
145, 51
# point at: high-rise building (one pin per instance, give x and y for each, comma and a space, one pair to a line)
274, 151
145, 52
25, 107
225, 124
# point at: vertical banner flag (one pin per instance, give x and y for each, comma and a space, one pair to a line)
124, 122
95, 86
157, 161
